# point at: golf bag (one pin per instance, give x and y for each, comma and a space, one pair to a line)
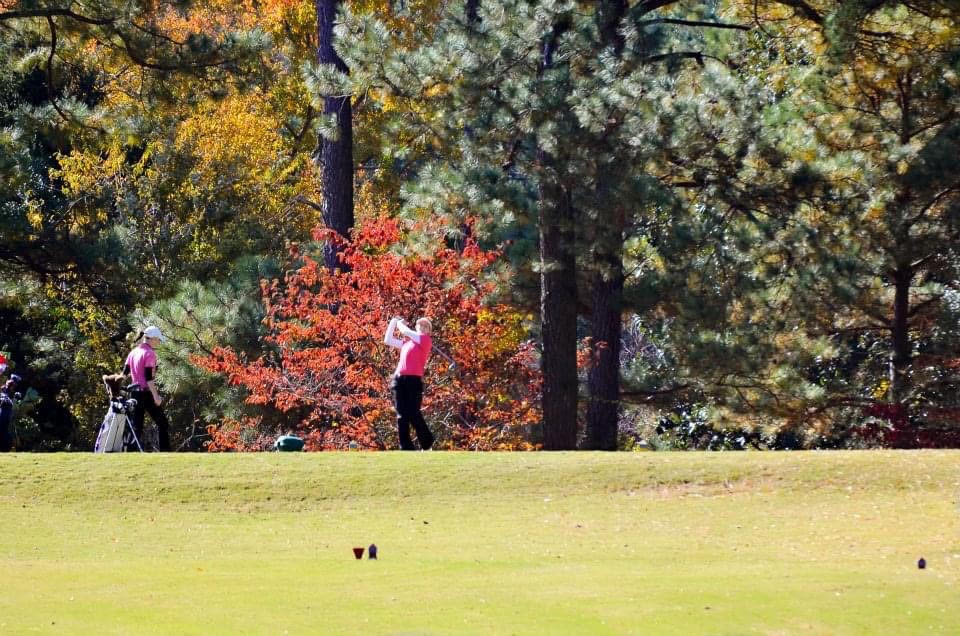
116, 431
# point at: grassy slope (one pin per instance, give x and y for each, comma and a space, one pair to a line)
736, 543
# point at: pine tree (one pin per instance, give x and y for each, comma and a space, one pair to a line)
548, 114
882, 121
833, 228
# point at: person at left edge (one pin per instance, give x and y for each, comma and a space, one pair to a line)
6, 413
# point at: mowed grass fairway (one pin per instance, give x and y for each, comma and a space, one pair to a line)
497, 543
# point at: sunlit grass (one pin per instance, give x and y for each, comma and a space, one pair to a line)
578, 543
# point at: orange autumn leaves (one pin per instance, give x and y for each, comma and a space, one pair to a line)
328, 370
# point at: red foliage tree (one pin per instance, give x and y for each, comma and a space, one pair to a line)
328, 368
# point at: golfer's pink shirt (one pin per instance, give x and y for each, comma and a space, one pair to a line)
413, 356
142, 357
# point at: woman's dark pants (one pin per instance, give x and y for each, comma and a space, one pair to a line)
145, 404
407, 396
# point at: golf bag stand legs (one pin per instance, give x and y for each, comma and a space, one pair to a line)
133, 434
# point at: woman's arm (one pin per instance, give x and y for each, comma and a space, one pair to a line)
408, 332
151, 384
156, 394
390, 338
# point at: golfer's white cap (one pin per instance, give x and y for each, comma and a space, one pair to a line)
154, 332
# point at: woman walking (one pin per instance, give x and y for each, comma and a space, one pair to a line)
407, 382
141, 366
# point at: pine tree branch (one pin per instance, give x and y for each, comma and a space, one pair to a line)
694, 23
140, 60
843, 401
849, 330
35, 257
916, 309
195, 333
304, 200
678, 55
808, 12
156, 34
920, 262
642, 397
308, 120
53, 51
55, 12
507, 165
945, 119
646, 6
699, 56
929, 206
51, 95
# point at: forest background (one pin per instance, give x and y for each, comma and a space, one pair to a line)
724, 224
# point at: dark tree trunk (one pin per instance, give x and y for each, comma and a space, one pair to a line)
558, 318
609, 15
900, 333
603, 378
473, 12
558, 285
336, 156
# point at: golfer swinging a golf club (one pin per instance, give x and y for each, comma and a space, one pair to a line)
407, 382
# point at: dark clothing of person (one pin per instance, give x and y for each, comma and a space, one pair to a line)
148, 373
407, 396
145, 404
6, 423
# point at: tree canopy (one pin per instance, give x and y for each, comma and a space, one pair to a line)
706, 224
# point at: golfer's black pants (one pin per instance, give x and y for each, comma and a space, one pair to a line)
407, 396
145, 404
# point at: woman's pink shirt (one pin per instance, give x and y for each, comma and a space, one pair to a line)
413, 356
139, 360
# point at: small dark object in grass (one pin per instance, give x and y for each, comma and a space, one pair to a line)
358, 552
288, 443
922, 563
372, 551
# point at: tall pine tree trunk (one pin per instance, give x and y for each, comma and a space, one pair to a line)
603, 378
336, 156
901, 355
900, 334
558, 279
558, 317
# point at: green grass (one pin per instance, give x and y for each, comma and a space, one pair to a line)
585, 543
